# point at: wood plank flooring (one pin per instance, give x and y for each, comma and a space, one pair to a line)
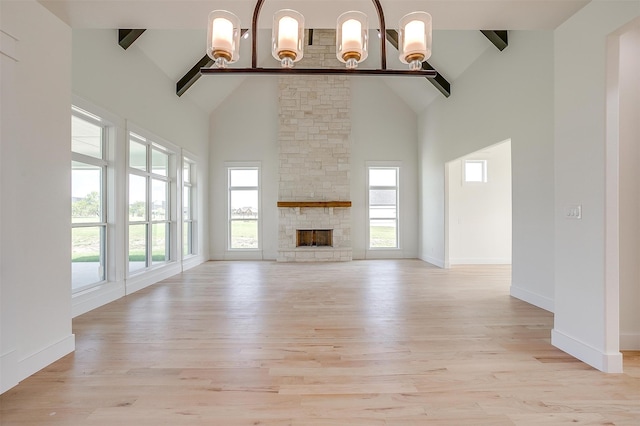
393, 342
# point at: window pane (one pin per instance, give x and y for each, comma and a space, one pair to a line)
86, 193
382, 212
86, 137
244, 177
159, 162
159, 199
244, 204
186, 172
87, 259
137, 155
137, 247
159, 243
186, 203
382, 177
383, 234
382, 197
137, 198
474, 171
187, 238
244, 234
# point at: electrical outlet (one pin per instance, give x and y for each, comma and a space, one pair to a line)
573, 211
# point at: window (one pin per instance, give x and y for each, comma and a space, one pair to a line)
383, 207
475, 171
88, 200
188, 208
244, 197
150, 223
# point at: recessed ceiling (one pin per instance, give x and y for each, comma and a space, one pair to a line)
175, 39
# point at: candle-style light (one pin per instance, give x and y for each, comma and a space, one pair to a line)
287, 38
223, 37
352, 38
414, 39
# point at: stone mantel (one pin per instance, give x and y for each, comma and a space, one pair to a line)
320, 204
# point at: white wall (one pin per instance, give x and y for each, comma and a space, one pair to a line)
383, 129
629, 93
586, 320
479, 214
127, 85
503, 95
35, 273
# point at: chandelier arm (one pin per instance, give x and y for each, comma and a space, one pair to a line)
254, 35
383, 35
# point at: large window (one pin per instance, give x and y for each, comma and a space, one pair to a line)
151, 198
88, 200
244, 199
383, 207
188, 207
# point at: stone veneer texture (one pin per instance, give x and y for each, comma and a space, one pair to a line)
315, 153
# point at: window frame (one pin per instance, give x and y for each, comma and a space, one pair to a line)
397, 166
103, 164
189, 186
244, 166
484, 165
152, 143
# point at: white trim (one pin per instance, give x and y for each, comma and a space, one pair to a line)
152, 276
607, 362
35, 362
9, 368
85, 301
630, 341
255, 254
480, 261
534, 299
434, 261
192, 262
9, 46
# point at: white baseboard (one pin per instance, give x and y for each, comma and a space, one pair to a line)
93, 298
480, 261
14, 370
434, 261
606, 362
630, 341
9, 368
535, 299
192, 262
151, 277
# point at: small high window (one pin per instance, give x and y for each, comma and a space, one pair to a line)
475, 171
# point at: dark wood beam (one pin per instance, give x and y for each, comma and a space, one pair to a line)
126, 37
439, 82
194, 74
500, 39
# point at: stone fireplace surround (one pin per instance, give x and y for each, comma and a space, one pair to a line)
315, 155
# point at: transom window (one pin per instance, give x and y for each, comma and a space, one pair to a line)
383, 207
244, 201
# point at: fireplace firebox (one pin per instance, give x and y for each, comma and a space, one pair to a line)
314, 238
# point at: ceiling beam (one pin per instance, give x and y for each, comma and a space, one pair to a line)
439, 82
194, 73
500, 39
126, 37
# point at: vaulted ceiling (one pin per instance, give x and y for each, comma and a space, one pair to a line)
176, 33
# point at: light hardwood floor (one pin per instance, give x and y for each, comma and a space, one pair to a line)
359, 343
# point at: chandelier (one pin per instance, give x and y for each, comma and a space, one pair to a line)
287, 43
